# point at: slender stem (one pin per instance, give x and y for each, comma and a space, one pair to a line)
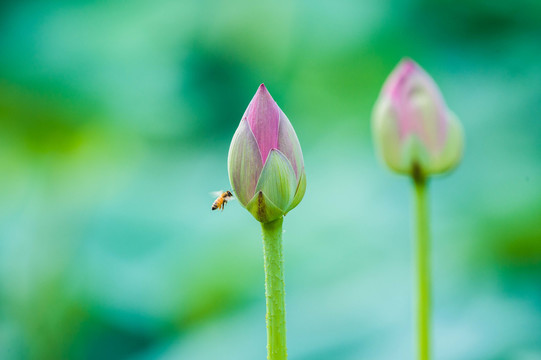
423, 268
274, 290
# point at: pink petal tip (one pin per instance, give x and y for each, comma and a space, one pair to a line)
263, 116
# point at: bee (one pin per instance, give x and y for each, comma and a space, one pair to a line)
223, 198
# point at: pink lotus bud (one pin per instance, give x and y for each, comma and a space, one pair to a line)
266, 168
413, 128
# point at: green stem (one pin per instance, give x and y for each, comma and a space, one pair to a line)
423, 268
274, 290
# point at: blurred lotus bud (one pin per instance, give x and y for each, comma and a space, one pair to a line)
265, 163
414, 131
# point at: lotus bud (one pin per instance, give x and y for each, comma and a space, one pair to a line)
265, 163
414, 131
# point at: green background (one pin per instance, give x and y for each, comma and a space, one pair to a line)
115, 123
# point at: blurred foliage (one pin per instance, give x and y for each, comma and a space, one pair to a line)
115, 122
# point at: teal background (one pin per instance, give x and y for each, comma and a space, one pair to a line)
115, 123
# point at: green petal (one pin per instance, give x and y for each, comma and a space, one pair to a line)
454, 147
414, 154
263, 209
289, 145
299, 194
386, 135
277, 180
244, 163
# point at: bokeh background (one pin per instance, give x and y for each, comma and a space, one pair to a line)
115, 123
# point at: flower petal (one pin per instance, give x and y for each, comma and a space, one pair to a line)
386, 135
299, 193
412, 126
277, 180
451, 154
244, 163
421, 110
289, 145
263, 209
414, 156
263, 115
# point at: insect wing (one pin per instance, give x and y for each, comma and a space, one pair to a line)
216, 194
